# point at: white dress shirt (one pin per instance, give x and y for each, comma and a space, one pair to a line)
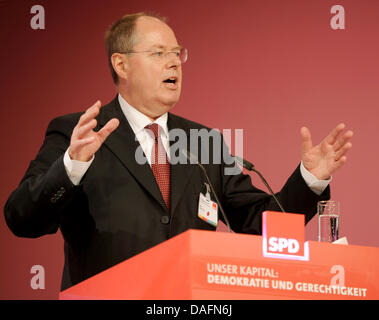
138, 121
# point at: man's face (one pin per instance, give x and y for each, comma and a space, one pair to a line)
153, 82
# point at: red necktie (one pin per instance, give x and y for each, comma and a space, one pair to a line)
160, 164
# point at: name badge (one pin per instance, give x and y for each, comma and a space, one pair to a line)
208, 209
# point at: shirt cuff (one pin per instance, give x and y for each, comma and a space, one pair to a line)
316, 185
76, 169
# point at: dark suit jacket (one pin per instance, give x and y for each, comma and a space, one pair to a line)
117, 211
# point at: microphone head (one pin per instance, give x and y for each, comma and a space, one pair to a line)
244, 163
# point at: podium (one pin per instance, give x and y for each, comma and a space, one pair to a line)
216, 265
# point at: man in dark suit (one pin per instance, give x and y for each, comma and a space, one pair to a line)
87, 182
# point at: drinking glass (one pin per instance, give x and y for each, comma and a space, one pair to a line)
328, 220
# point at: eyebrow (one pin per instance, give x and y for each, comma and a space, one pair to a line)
159, 46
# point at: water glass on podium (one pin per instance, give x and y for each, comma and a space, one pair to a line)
328, 220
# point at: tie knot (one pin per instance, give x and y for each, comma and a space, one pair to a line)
154, 129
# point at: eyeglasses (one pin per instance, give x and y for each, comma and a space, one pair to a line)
160, 55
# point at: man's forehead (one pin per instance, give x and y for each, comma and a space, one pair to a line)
148, 24
155, 33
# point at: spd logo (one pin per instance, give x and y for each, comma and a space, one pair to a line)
283, 236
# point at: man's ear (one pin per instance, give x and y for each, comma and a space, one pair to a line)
120, 65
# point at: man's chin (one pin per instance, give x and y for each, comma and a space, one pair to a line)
167, 107
161, 109
169, 102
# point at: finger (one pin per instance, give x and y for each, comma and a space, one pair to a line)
342, 152
82, 142
108, 129
332, 136
90, 113
338, 164
79, 144
306, 139
84, 129
343, 140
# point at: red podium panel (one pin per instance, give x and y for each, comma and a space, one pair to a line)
216, 265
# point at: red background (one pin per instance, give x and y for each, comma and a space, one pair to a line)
268, 67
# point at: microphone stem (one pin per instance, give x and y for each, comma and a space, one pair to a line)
268, 187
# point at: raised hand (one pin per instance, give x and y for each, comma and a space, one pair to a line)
84, 141
327, 157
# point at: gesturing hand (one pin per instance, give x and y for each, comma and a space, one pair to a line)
327, 157
84, 141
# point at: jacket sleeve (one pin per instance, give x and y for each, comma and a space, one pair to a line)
35, 207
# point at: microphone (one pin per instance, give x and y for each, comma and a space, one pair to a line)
249, 166
194, 160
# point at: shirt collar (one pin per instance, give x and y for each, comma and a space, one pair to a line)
138, 121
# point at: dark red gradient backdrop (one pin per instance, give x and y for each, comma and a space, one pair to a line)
268, 67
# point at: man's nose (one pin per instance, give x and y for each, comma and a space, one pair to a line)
173, 60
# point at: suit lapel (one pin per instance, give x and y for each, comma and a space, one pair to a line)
123, 144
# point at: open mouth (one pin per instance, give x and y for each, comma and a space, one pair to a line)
171, 80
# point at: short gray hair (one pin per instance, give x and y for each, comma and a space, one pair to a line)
120, 36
